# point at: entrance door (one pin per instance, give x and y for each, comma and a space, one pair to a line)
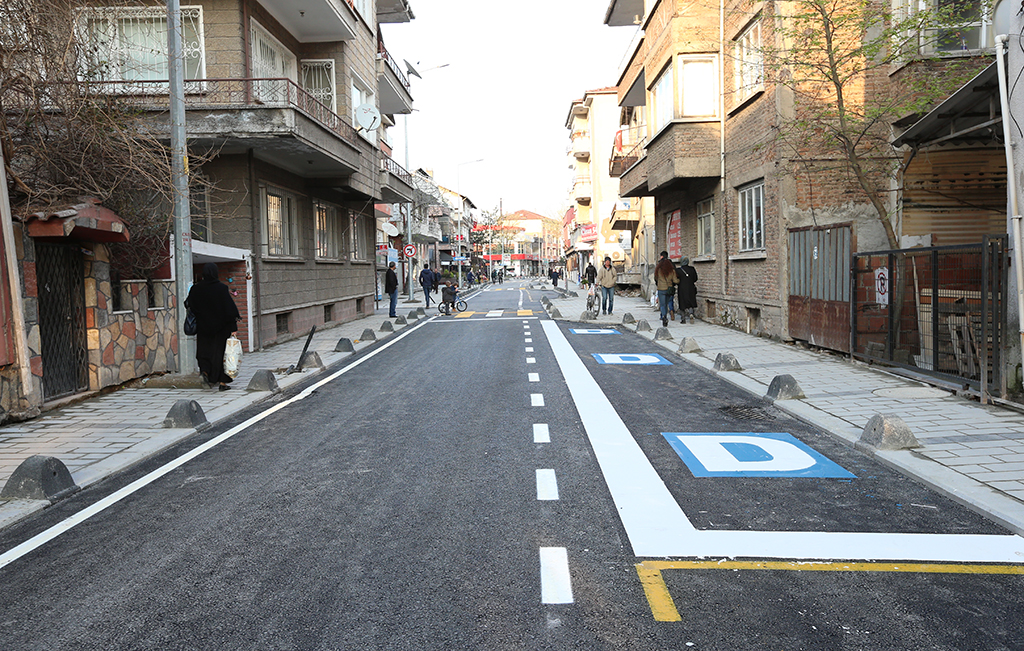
60, 277
819, 285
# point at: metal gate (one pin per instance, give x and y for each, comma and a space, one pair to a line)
819, 285
60, 276
938, 310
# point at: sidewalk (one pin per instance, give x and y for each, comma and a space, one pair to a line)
101, 435
971, 453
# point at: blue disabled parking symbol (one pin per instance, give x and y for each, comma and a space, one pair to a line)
723, 454
649, 359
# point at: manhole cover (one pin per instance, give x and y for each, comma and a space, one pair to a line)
911, 392
747, 412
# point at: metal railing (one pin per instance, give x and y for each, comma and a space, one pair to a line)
389, 165
231, 93
382, 53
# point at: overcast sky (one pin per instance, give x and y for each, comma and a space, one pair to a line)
513, 70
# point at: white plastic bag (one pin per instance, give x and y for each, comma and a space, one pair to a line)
232, 356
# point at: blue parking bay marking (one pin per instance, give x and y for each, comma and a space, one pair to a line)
749, 454
648, 359
593, 331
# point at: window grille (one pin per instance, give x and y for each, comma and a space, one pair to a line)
280, 220
270, 60
318, 81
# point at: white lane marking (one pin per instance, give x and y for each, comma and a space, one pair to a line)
525, 321
520, 299
46, 536
555, 583
657, 527
531, 360
529, 349
547, 485
475, 320
494, 313
536, 399
533, 377
541, 433
528, 340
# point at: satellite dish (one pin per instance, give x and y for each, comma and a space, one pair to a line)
368, 117
389, 229
409, 70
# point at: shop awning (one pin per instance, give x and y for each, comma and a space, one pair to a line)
86, 221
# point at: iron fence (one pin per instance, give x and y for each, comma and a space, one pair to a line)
940, 310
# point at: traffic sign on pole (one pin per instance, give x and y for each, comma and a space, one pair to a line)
410, 250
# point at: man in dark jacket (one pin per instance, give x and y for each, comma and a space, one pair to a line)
591, 273
426, 282
391, 289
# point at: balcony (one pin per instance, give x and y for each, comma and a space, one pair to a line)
392, 83
394, 11
685, 151
581, 190
315, 21
626, 149
581, 145
396, 184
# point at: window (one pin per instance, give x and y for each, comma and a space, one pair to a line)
706, 227
318, 81
361, 94
130, 43
751, 213
280, 224
699, 87
199, 208
359, 237
270, 60
749, 72
662, 100
965, 24
328, 231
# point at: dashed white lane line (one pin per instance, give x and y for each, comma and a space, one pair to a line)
536, 399
555, 583
547, 484
531, 360
528, 341
529, 349
541, 433
533, 377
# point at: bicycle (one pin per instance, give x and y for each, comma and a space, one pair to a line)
592, 299
459, 304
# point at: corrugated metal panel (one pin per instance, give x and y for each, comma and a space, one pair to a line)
956, 195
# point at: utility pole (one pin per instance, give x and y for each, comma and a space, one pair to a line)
179, 174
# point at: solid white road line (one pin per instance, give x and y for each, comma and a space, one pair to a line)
533, 377
657, 527
541, 433
44, 537
555, 583
536, 399
547, 485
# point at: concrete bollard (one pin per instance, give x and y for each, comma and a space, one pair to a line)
421, 311
587, 316
186, 413
643, 326
662, 333
689, 345
887, 432
39, 478
401, 320
368, 335
312, 360
387, 327
727, 362
414, 315
555, 314
784, 387
344, 346
263, 380
628, 318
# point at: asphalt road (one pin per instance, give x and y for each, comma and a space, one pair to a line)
416, 501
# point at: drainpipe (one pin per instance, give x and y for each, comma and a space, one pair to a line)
14, 280
1011, 182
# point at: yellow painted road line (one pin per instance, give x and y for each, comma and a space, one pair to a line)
464, 315
524, 313
664, 609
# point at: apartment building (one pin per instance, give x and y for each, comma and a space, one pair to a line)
534, 243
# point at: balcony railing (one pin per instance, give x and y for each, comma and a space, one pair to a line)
232, 94
627, 149
389, 165
382, 53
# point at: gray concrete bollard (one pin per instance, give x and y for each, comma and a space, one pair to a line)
387, 327
555, 314
643, 326
887, 432
688, 345
312, 360
544, 300
727, 362
185, 413
39, 478
414, 315
628, 318
572, 294
368, 335
662, 333
587, 316
344, 346
401, 320
784, 387
263, 380
421, 311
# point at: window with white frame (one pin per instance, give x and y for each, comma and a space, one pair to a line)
749, 61
328, 230
751, 215
361, 94
280, 223
706, 227
662, 100
960, 25
271, 60
130, 43
359, 237
365, 10
698, 86
318, 81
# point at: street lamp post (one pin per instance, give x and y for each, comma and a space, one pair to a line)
462, 203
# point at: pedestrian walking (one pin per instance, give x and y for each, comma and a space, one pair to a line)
427, 282
553, 275
216, 318
687, 290
606, 279
666, 279
591, 273
437, 281
391, 289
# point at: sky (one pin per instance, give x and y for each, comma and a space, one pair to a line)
513, 70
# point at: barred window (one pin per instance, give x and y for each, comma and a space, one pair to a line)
281, 231
130, 43
328, 231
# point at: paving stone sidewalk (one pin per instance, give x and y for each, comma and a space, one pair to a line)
970, 452
103, 434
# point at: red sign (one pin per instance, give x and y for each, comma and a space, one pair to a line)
588, 233
675, 235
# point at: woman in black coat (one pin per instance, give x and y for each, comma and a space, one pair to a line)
216, 316
686, 290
